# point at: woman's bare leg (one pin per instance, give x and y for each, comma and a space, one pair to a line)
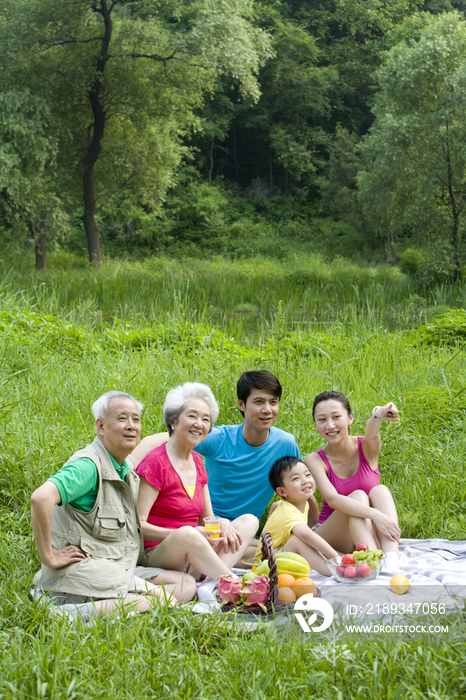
335, 531
381, 498
178, 584
246, 525
343, 531
249, 555
187, 544
131, 602
362, 529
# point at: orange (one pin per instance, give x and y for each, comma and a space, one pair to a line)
286, 595
303, 586
285, 580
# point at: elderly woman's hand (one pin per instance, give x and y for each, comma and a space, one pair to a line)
232, 539
215, 542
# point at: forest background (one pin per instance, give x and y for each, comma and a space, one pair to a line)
202, 128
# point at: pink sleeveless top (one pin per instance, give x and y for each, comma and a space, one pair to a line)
364, 479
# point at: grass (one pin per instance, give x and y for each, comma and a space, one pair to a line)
239, 296
64, 343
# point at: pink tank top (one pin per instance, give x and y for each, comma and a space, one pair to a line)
364, 479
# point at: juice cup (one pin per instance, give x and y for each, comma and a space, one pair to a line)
212, 525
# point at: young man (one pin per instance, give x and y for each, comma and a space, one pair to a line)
239, 457
287, 524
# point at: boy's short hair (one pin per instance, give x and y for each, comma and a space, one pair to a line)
282, 465
257, 379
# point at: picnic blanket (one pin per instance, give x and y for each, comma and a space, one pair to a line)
435, 568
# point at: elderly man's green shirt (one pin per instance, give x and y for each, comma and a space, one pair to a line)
78, 481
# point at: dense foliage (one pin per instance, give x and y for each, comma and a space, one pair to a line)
244, 127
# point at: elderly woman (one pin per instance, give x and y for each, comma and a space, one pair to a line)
174, 497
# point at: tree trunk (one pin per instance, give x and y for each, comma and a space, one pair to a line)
211, 158
90, 157
92, 232
41, 251
37, 233
454, 242
454, 209
234, 152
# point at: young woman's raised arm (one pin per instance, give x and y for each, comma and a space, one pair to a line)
371, 441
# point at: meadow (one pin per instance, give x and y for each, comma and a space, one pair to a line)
70, 333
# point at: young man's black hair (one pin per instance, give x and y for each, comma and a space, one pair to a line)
257, 379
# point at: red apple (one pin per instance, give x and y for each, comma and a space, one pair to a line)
364, 570
362, 547
351, 571
348, 559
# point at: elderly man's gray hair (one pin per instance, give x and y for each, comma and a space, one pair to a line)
99, 407
177, 399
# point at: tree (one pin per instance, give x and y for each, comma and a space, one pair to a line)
27, 156
339, 184
282, 138
352, 36
124, 77
416, 151
326, 53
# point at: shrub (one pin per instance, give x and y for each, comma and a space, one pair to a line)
438, 266
450, 327
410, 260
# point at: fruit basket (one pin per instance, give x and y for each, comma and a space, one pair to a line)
354, 573
273, 604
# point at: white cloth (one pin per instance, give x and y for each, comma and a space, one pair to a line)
436, 570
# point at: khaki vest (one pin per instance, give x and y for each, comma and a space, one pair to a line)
109, 534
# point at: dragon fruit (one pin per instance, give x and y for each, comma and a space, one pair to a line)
229, 589
256, 591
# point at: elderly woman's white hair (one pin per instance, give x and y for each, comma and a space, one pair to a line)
99, 407
177, 399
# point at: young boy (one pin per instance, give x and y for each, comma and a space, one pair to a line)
287, 522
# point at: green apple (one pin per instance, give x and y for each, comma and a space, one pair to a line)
263, 568
248, 576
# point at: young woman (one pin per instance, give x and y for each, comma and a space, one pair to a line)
356, 507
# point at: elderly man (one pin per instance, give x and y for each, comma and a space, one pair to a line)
86, 526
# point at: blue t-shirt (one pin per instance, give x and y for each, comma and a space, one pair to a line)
239, 473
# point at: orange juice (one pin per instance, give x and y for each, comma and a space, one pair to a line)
215, 529
212, 525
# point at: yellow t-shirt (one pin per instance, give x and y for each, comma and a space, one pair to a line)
281, 523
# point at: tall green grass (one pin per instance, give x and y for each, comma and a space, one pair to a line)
62, 345
241, 295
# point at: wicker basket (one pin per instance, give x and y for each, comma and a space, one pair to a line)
273, 605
